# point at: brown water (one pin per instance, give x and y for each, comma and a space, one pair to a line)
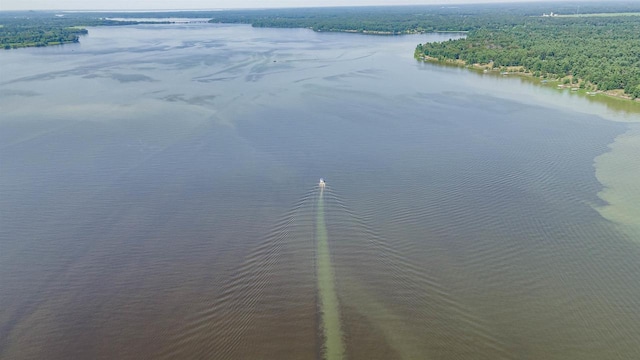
158, 200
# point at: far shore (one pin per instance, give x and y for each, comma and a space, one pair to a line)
375, 32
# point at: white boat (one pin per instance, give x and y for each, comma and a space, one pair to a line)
321, 184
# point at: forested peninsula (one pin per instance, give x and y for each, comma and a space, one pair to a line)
20, 29
593, 46
596, 53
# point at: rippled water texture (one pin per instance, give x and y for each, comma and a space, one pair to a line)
159, 199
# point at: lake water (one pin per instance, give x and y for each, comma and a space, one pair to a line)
159, 199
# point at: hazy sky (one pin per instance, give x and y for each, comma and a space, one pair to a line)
209, 4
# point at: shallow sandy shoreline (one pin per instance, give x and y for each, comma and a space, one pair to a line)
519, 71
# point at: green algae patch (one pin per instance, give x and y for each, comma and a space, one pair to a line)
619, 172
333, 348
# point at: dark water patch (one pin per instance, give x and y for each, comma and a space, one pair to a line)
205, 100
126, 78
360, 73
49, 76
122, 78
9, 93
255, 305
208, 80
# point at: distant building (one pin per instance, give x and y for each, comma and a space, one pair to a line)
551, 14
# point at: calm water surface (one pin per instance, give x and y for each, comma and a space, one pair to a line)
158, 199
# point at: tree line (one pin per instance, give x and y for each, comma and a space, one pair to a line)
41, 28
600, 53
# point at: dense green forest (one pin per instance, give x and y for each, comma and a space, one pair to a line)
38, 28
412, 19
15, 37
597, 53
35, 29
593, 52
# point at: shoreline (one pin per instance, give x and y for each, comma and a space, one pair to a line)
521, 72
383, 33
82, 28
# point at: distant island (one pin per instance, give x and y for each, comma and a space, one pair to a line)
588, 46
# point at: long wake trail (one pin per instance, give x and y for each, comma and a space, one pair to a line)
328, 298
